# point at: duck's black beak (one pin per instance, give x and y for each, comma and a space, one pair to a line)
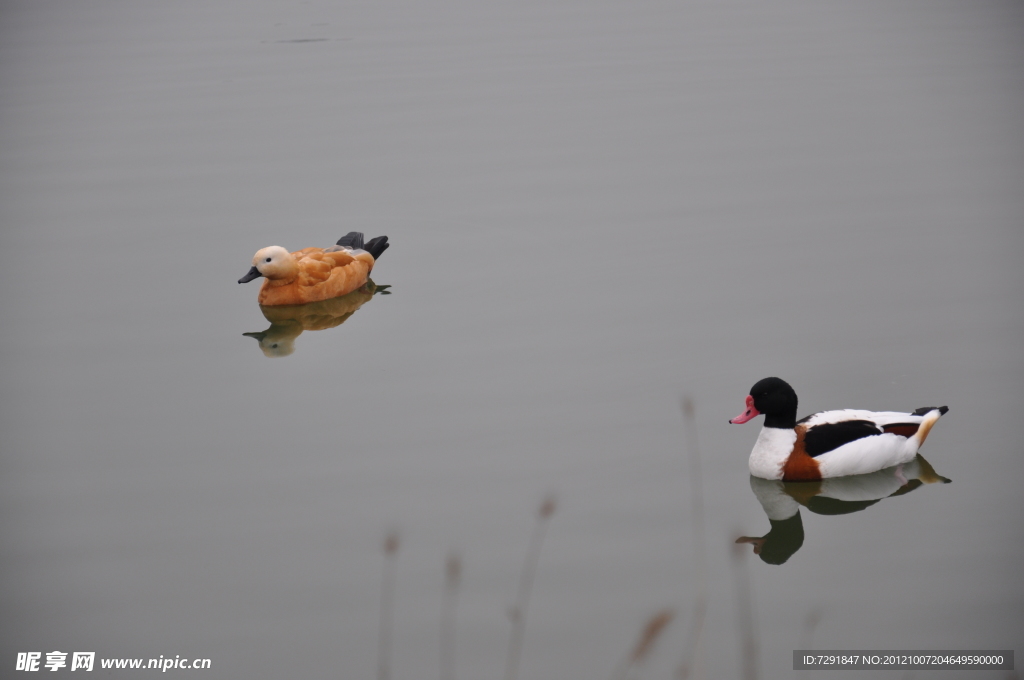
250, 275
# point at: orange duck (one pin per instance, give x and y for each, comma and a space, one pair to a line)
314, 274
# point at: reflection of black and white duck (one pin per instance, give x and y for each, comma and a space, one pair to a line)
829, 443
781, 502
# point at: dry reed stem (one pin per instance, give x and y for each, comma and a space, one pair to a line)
745, 606
691, 658
807, 634
518, 611
387, 606
453, 576
688, 662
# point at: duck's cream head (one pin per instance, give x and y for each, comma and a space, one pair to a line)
274, 263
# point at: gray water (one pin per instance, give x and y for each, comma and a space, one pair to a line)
596, 210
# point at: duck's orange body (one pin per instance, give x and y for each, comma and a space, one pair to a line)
319, 275
314, 274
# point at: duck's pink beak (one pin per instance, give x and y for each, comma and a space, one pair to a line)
748, 414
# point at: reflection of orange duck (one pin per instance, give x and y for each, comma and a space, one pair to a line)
288, 321
314, 274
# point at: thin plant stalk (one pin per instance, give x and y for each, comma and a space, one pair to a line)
387, 607
690, 659
692, 656
518, 611
453, 574
745, 604
807, 636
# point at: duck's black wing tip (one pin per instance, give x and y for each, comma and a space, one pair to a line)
925, 410
376, 246
353, 240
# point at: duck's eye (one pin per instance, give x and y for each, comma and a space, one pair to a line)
268, 259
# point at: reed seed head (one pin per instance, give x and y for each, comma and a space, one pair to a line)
453, 569
654, 628
391, 543
688, 407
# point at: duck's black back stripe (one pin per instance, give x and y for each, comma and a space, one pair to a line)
830, 436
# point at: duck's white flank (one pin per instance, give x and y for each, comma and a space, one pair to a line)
867, 455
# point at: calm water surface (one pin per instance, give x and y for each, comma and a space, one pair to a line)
596, 210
